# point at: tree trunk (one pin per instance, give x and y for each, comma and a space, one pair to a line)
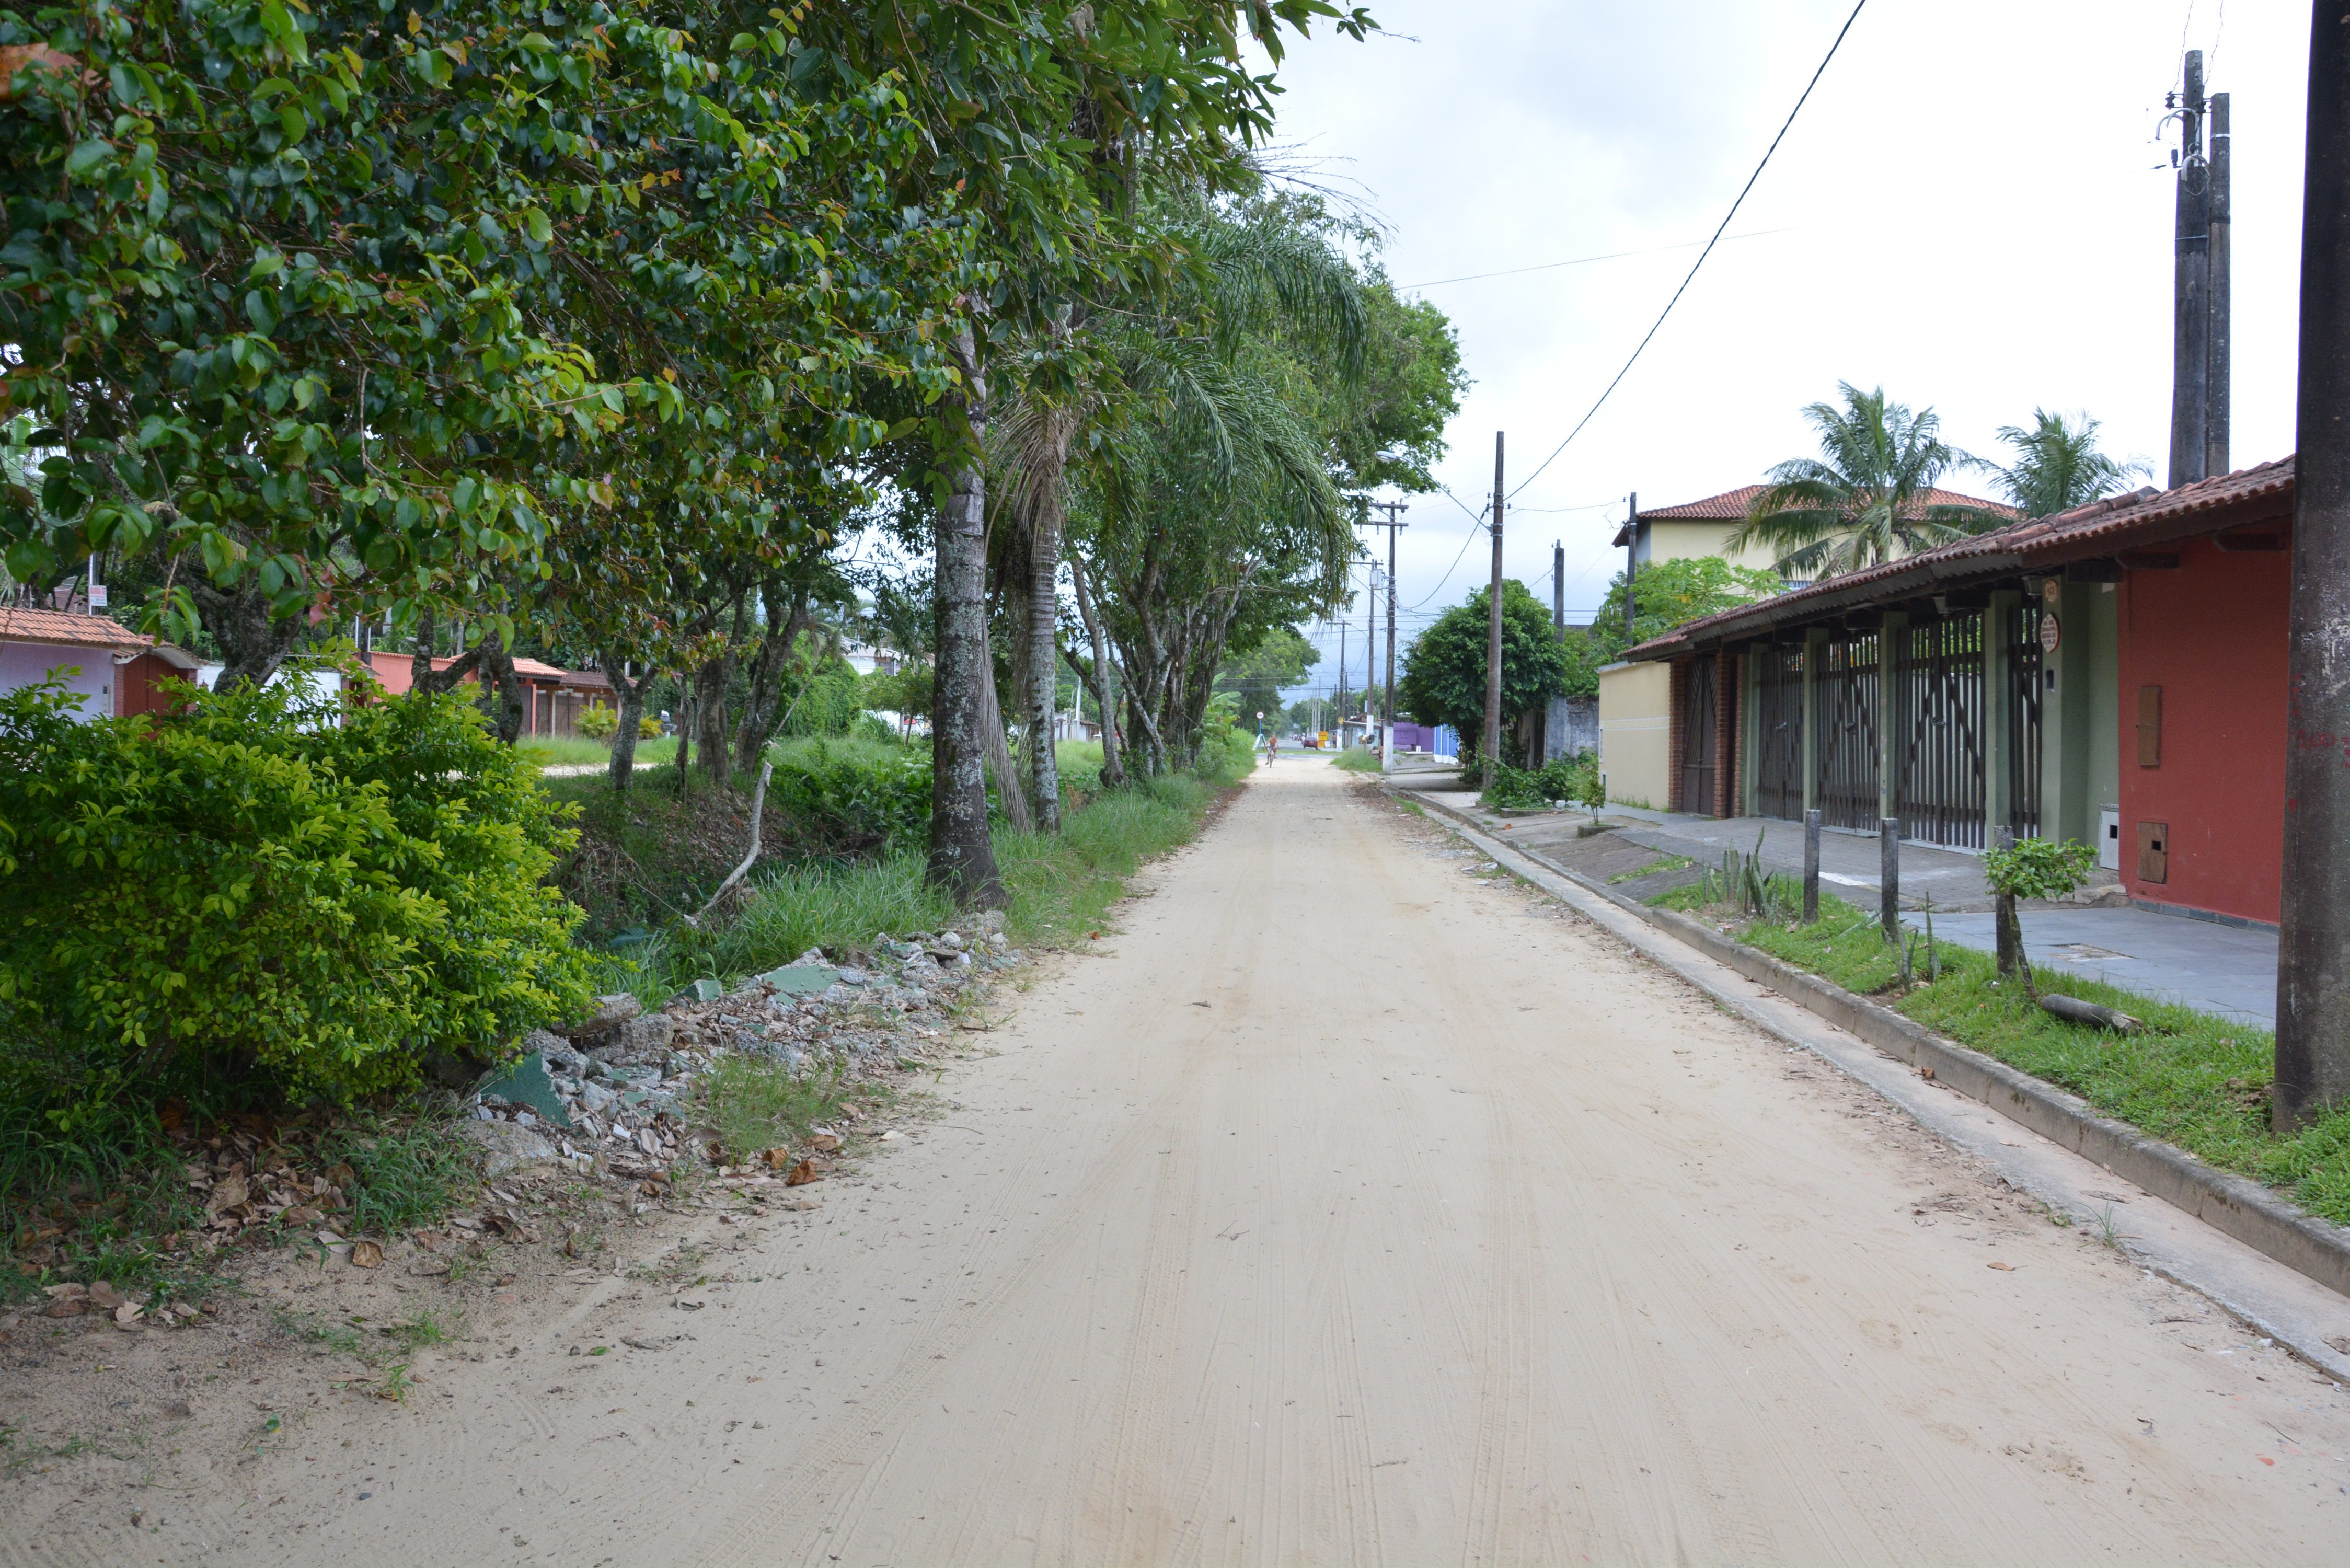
1000, 764
253, 642
1113, 773
762, 712
503, 701
2007, 939
963, 860
632, 713
1044, 689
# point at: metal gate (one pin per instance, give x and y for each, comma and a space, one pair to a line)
1848, 700
1700, 715
2023, 667
1940, 722
1779, 733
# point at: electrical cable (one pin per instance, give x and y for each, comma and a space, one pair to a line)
1749, 186
1476, 521
1583, 260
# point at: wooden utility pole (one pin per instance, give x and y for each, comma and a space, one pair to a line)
1386, 699
1342, 682
2216, 377
1631, 562
2191, 341
1492, 747
2312, 1036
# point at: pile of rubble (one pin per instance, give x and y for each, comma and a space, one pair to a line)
612, 1092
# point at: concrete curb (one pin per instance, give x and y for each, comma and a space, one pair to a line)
2234, 1205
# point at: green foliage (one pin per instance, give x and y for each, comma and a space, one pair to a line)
598, 723
1664, 595
648, 729
1443, 678
1573, 780
2038, 868
911, 690
755, 1105
258, 885
864, 794
1277, 657
1357, 760
2058, 466
1867, 497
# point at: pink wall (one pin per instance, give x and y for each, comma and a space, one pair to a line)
2211, 634
86, 671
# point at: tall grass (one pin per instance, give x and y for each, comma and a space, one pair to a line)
570, 750
1357, 760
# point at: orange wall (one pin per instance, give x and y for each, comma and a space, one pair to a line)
2211, 634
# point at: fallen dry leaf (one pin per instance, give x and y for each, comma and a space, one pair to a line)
226, 1193
801, 1174
367, 1254
302, 1214
824, 1143
2002, 1268
776, 1158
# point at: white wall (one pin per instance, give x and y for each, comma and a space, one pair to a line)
87, 671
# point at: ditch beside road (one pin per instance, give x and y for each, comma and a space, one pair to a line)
1355, 1204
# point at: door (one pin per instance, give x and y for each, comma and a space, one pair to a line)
1698, 741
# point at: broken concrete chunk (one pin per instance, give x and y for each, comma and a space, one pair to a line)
639, 1041
610, 1013
506, 1147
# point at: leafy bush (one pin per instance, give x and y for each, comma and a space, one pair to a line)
262, 884
862, 791
2038, 868
598, 723
1571, 779
648, 727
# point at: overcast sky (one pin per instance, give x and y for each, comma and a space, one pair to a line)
1973, 210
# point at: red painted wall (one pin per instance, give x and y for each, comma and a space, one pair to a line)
2211, 634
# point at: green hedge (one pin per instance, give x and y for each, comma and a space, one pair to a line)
258, 885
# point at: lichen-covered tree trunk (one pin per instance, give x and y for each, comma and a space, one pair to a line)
963, 860
1113, 770
253, 642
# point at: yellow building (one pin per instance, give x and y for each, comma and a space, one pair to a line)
1697, 528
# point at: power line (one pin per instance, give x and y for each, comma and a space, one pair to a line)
1582, 261
1476, 521
1749, 186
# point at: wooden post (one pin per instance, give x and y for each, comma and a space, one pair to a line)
1494, 632
1812, 866
2312, 1036
1750, 706
1888, 877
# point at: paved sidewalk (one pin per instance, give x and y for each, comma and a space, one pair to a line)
2212, 967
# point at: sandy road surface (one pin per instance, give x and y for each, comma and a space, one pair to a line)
1358, 1211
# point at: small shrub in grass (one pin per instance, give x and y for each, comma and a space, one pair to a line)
867, 792
1357, 760
598, 723
755, 1105
262, 887
1569, 779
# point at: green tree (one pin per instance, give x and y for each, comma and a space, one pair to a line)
2058, 466
1867, 498
1280, 658
1666, 594
1443, 678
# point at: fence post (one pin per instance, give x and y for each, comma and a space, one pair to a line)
1892, 722
1889, 875
1812, 866
1815, 652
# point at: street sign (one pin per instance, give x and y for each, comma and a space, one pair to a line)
2051, 632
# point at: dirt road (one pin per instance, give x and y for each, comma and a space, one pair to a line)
1354, 1209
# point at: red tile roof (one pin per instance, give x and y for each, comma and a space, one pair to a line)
2148, 517
1732, 506
58, 628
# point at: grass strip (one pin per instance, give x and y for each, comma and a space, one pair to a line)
2191, 1078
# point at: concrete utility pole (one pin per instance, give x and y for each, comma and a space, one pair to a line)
1631, 560
1342, 680
2312, 1036
1494, 631
2216, 378
1558, 590
1386, 700
2191, 341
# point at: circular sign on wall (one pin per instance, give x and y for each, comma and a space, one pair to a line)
2052, 590
2052, 633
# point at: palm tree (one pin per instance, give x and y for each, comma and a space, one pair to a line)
1867, 497
2058, 466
